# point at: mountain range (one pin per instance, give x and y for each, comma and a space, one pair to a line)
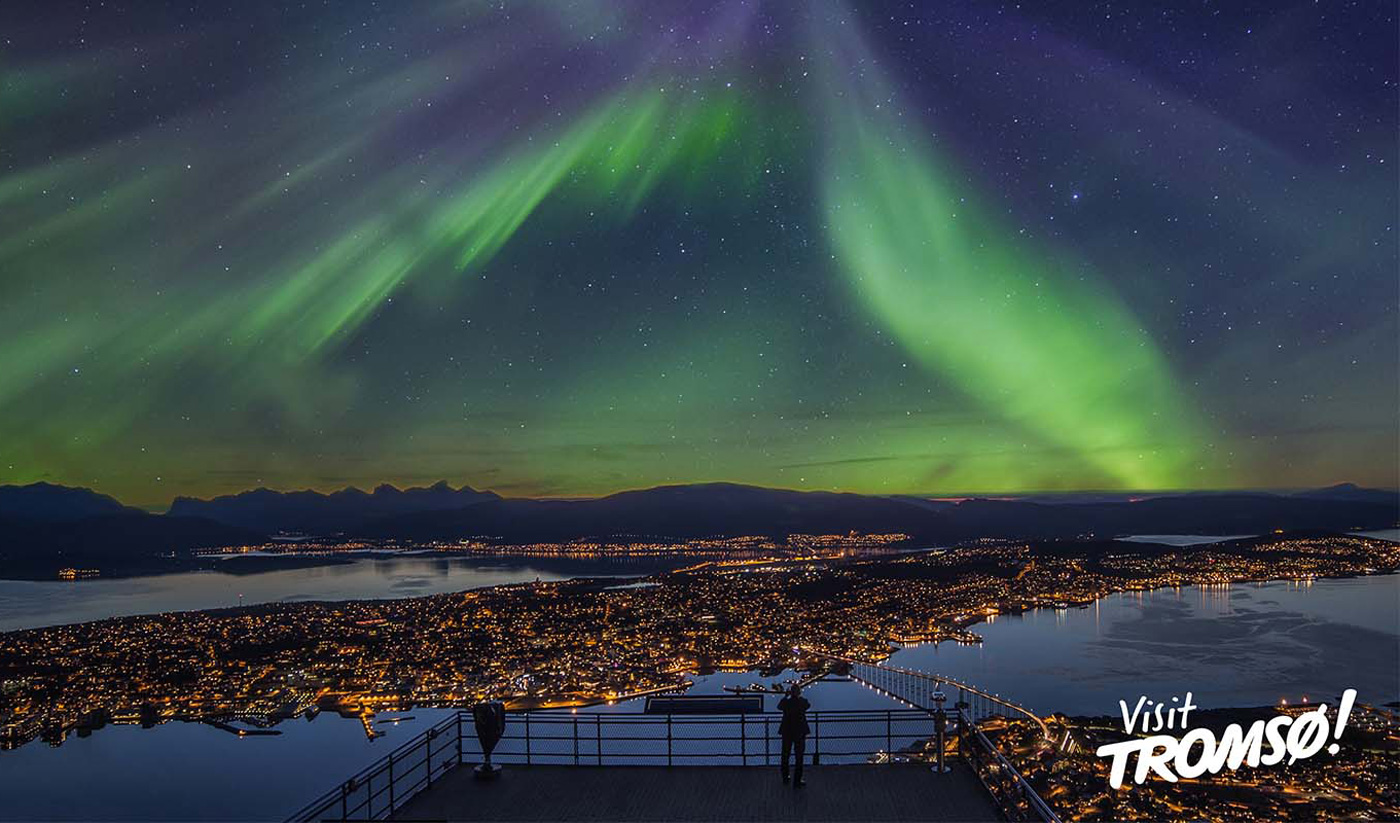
44, 527
347, 510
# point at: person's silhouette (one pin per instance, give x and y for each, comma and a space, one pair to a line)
794, 730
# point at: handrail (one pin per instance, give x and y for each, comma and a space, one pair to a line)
316, 809
582, 741
1033, 799
403, 749
380, 789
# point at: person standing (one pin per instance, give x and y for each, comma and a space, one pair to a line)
794, 730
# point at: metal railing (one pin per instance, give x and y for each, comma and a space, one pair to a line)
1013, 795
551, 737
560, 737
638, 739
378, 790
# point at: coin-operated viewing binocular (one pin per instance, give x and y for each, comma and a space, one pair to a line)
490, 720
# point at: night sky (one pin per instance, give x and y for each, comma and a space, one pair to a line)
566, 247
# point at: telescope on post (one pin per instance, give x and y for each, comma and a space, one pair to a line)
490, 720
940, 728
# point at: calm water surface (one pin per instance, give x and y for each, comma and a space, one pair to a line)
1241, 645
28, 604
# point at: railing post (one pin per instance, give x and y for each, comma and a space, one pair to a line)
391, 783
889, 735
767, 736
459, 738
428, 755
816, 738
527, 738
940, 724
598, 735
575, 740
344, 808
743, 741
668, 738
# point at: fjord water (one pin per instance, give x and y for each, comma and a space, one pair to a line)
1247, 644
26, 604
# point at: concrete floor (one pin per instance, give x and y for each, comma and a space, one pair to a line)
704, 793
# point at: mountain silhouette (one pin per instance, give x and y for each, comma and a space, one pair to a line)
1353, 493
665, 512
47, 502
323, 514
45, 527
722, 509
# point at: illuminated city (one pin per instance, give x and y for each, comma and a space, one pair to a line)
580, 642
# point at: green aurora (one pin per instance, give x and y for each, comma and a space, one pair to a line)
564, 249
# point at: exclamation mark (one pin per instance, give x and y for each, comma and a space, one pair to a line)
1343, 712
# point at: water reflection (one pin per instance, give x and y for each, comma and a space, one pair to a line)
29, 604
1244, 644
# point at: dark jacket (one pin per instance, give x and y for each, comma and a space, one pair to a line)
794, 722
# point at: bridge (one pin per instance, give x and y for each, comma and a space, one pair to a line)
629, 765
917, 689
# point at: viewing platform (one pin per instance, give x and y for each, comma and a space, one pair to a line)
682, 760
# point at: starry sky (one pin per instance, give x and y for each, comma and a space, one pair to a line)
567, 247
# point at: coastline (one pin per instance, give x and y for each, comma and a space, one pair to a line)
996, 595
529, 703
194, 564
609, 581
980, 619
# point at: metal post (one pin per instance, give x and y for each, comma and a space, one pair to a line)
527, 738
391, 782
743, 741
459, 738
598, 735
767, 736
668, 739
575, 740
428, 756
940, 723
889, 746
816, 738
